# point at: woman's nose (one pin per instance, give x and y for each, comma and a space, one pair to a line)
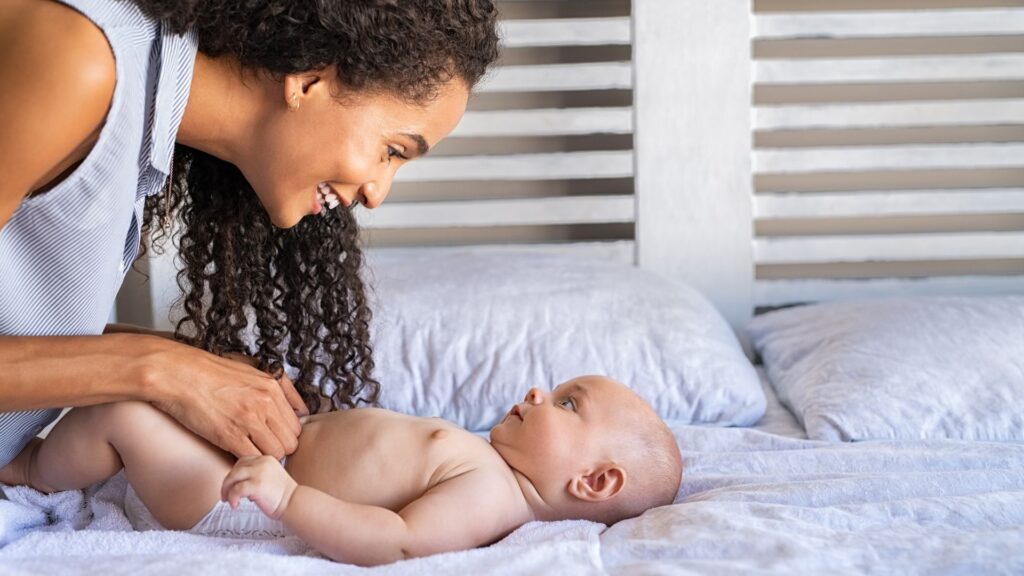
373, 193
534, 396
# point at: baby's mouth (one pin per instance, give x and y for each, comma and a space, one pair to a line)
515, 412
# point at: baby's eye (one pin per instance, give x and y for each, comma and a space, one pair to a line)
567, 402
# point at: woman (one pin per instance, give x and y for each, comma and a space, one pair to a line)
250, 122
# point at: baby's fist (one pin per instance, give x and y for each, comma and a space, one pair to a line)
261, 479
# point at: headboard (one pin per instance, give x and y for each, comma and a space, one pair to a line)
771, 153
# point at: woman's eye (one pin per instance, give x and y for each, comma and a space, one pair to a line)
392, 152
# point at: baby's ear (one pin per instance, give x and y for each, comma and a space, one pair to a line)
600, 484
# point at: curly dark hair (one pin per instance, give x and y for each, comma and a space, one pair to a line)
298, 292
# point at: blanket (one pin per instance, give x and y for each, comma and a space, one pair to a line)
87, 532
757, 503
762, 500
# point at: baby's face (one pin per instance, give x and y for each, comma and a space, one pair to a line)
553, 436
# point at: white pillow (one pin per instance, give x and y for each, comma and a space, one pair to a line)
463, 335
900, 368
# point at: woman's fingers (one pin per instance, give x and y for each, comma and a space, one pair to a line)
287, 415
226, 401
289, 441
268, 427
292, 395
266, 440
242, 446
280, 420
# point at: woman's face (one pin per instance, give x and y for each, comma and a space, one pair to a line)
354, 144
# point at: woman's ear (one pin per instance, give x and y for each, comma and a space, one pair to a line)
296, 86
599, 485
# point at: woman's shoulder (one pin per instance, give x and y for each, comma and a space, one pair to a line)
53, 39
59, 76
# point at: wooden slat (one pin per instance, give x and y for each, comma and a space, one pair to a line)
888, 203
559, 77
517, 212
949, 68
545, 122
862, 158
888, 247
901, 114
895, 23
565, 32
620, 251
552, 166
781, 292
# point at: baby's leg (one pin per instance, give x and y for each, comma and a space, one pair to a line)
77, 455
176, 474
84, 456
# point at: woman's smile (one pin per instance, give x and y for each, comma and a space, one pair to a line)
325, 196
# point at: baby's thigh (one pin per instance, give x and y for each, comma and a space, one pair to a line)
176, 473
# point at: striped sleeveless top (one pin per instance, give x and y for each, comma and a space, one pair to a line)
64, 253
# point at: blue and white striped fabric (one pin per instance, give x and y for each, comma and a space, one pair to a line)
63, 254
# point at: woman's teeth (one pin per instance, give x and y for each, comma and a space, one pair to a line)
327, 196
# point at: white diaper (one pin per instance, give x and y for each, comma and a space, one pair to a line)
246, 521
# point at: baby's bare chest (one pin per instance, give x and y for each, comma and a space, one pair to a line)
370, 456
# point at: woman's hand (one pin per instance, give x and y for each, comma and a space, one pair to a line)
287, 386
230, 403
261, 479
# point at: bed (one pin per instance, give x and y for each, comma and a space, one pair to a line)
818, 287
756, 500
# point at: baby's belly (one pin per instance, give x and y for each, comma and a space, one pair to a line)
378, 459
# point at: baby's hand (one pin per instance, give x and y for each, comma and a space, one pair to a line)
261, 479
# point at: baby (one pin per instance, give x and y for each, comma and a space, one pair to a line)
370, 486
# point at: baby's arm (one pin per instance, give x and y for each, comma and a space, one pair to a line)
457, 514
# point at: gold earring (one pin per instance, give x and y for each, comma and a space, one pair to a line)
293, 102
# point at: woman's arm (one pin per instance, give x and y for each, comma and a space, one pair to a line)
45, 372
57, 72
230, 403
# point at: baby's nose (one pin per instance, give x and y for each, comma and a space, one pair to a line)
534, 396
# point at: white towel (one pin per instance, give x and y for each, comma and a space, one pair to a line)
26, 510
86, 532
93, 521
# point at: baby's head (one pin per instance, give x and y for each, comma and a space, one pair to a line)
592, 448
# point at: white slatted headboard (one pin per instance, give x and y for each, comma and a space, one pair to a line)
527, 164
898, 226
771, 153
880, 151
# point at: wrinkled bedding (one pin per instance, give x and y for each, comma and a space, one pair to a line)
759, 500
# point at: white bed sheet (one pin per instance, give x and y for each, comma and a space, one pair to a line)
759, 500
777, 418
766, 500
